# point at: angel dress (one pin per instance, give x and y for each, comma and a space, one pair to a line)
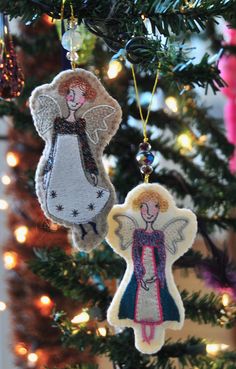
71, 194
154, 304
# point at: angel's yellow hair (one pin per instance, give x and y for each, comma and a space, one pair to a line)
150, 196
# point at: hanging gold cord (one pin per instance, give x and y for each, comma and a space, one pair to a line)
72, 18
145, 121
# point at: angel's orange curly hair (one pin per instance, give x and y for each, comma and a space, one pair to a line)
150, 196
89, 91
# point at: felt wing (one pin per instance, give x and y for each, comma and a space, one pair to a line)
96, 121
45, 109
125, 230
173, 232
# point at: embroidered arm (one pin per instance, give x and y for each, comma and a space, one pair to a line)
139, 269
162, 256
89, 162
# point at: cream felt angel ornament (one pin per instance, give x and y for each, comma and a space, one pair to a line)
76, 117
150, 233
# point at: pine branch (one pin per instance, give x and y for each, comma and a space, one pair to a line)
205, 309
71, 274
165, 16
189, 353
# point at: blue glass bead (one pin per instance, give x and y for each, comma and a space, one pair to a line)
145, 157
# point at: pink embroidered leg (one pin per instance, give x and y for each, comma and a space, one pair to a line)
147, 338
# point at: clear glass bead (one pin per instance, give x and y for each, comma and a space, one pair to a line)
72, 40
72, 56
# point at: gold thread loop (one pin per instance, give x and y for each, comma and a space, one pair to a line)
72, 19
145, 121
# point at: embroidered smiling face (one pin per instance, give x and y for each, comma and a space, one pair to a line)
149, 211
77, 91
150, 204
75, 98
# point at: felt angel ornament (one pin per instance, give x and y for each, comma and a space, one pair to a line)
76, 117
150, 233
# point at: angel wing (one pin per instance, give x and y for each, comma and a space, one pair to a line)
96, 121
127, 226
45, 109
173, 231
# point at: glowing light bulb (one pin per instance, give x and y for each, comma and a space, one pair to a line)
10, 260
54, 226
45, 300
214, 348
21, 233
3, 306
171, 102
81, 318
20, 349
3, 204
102, 331
32, 358
184, 141
12, 159
6, 180
225, 299
114, 69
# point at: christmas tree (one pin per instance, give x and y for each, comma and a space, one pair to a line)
66, 294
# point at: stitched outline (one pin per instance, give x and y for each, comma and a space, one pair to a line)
105, 128
120, 226
180, 235
48, 113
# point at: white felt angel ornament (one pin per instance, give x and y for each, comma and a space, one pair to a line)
150, 233
76, 117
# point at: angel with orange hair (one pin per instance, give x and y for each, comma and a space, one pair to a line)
72, 114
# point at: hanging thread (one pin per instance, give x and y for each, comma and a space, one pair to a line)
145, 157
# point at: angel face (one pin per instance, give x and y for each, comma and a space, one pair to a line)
149, 211
75, 98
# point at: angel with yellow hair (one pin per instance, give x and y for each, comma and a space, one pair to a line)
150, 232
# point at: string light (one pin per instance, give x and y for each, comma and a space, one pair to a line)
185, 141
114, 69
10, 260
21, 233
171, 102
6, 180
3, 204
214, 348
81, 318
102, 331
32, 358
20, 349
45, 300
54, 226
12, 159
3, 306
225, 299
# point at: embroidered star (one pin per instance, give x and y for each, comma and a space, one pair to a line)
75, 213
59, 207
53, 194
100, 194
91, 206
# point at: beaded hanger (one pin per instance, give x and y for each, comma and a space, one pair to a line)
145, 157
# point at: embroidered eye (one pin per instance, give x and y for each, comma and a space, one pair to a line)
157, 205
141, 206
